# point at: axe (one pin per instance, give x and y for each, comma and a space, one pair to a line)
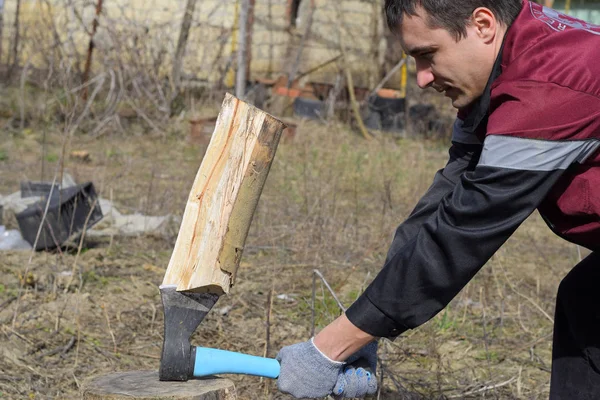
211, 239
181, 361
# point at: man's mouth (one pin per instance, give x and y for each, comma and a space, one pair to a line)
442, 88
451, 92
448, 91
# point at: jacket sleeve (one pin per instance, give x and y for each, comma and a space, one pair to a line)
470, 223
463, 156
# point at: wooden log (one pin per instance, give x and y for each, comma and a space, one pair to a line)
144, 385
223, 198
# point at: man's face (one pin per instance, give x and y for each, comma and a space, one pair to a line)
459, 69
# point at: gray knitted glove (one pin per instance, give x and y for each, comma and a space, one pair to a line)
358, 378
306, 372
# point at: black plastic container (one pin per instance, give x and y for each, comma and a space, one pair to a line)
67, 216
386, 114
309, 108
38, 189
386, 105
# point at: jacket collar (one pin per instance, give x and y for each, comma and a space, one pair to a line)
478, 111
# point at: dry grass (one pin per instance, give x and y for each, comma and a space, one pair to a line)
332, 202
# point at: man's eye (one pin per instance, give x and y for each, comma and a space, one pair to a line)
428, 55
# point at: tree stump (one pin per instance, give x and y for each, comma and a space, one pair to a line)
144, 385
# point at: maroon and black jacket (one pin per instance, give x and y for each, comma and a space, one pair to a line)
531, 141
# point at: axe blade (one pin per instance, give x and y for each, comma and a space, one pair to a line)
183, 313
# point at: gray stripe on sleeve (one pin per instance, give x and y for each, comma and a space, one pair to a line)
534, 155
460, 136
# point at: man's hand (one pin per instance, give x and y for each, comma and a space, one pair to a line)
307, 372
358, 379
316, 368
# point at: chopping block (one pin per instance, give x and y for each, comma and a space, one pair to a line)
144, 385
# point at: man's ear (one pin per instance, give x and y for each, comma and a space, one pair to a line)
484, 23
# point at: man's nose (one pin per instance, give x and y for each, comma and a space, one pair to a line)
424, 76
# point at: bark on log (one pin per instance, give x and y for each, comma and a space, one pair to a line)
223, 199
144, 385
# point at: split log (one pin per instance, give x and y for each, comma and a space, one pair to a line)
144, 385
223, 199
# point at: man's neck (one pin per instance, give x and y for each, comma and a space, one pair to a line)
499, 40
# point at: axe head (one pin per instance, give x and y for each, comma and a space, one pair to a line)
183, 313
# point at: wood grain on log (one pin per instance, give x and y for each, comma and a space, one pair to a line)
223, 199
144, 385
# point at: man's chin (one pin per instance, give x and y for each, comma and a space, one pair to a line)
461, 102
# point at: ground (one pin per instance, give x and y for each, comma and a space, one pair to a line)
331, 203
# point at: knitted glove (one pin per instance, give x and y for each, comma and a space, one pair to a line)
306, 372
358, 378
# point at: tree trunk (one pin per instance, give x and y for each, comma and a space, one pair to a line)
1, 28
88, 61
393, 51
375, 40
15, 49
249, 32
242, 51
307, 29
184, 33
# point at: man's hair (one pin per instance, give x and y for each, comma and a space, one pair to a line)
452, 15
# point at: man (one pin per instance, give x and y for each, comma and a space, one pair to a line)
526, 82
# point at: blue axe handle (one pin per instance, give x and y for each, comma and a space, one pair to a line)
214, 361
